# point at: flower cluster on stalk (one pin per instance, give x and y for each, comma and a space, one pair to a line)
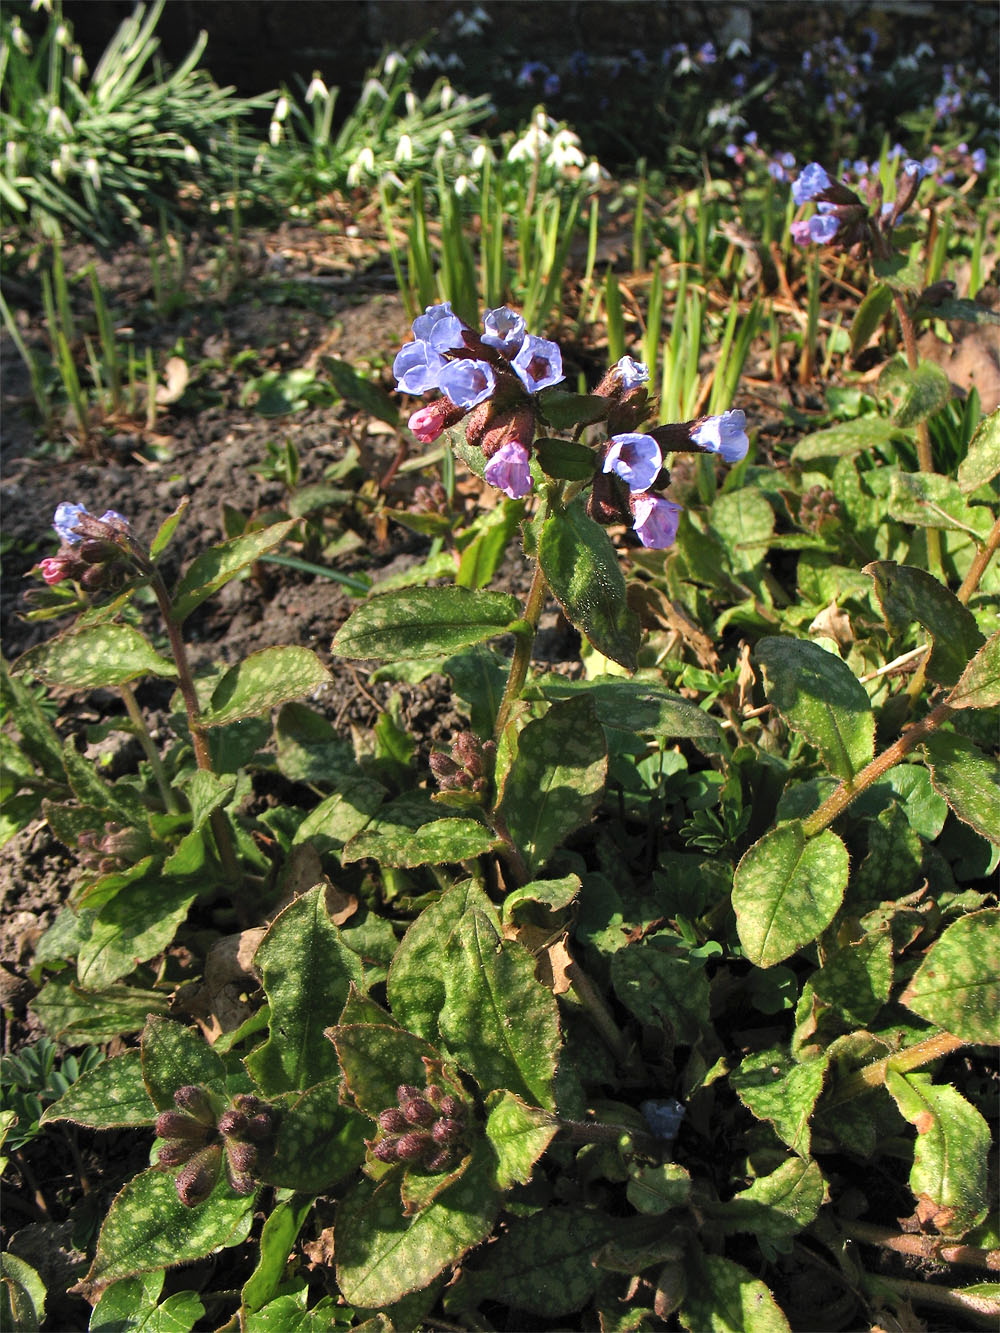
93, 551
200, 1141
845, 220
496, 380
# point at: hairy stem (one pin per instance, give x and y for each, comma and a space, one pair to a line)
978, 567
838, 801
924, 456
913, 1057
924, 1247
522, 649
151, 752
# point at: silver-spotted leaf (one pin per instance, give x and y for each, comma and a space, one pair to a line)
424, 622
94, 657
957, 986
264, 680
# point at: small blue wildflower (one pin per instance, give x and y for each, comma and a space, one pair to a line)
636, 458
823, 228
739, 82
655, 521
538, 363
978, 160
724, 435
732, 150
812, 181
467, 383
417, 367
707, 54
503, 329
750, 138
65, 521
632, 373
663, 1116
440, 327
551, 85
508, 470
930, 165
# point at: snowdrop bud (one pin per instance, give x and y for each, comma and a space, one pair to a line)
62, 35
317, 88
447, 97
373, 88
280, 109
404, 149
19, 38
93, 171
78, 67
274, 133
191, 154
411, 104
393, 61
58, 123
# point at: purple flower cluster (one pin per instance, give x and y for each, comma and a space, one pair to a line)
92, 549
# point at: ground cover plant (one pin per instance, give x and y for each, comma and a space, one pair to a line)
545, 873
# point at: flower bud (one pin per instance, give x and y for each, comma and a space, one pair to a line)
450, 1106
384, 1150
419, 1111
406, 1092
196, 1102
605, 503
242, 1156
233, 1122
240, 1182
440, 1160
55, 568
260, 1127
446, 1131
410, 1147
177, 1125
175, 1152
197, 1180
393, 1121
428, 422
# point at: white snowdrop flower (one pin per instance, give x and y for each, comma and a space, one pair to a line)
363, 165
373, 88
686, 66
719, 115
93, 171
404, 149
56, 168
390, 178
36, 5
58, 124
412, 104
565, 151
923, 51
393, 61
447, 96
62, 36
79, 66
594, 173
447, 139
737, 47
280, 109
317, 88
907, 63
465, 185
481, 154
191, 154
481, 16
19, 38
274, 133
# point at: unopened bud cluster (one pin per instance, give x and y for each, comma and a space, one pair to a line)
118, 848
199, 1141
469, 767
818, 508
426, 1129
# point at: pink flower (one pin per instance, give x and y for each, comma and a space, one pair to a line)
54, 570
655, 520
508, 470
428, 422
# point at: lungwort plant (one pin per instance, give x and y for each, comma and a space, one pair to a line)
646, 1005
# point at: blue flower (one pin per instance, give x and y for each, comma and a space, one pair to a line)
632, 373
725, 435
504, 330
467, 383
417, 367
636, 458
656, 521
551, 85
65, 521
707, 54
978, 160
538, 363
440, 327
914, 168
508, 470
812, 181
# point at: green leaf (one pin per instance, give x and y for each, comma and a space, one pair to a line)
110, 1096
565, 459
416, 982
360, 392
818, 695
656, 1190
556, 781
639, 705
343, 815
563, 411
129, 1306
662, 990
138, 923
982, 462
928, 500
376, 1058
869, 315
167, 529
38, 737
211, 570
543, 1265
148, 1227
584, 574
979, 686
22, 1295
857, 978
908, 594
436, 842
968, 779
744, 521
319, 1142
307, 970
310, 749
787, 890
518, 1134
777, 1205
99, 656
957, 986
848, 437
76, 1016
423, 622
264, 680
970, 312
174, 1057
498, 1021
900, 273
482, 557
382, 1255
773, 1088
722, 1297
951, 1155
278, 1235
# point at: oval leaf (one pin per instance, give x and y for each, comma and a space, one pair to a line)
94, 657
982, 463
968, 779
787, 890
957, 986
109, 1097
211, 570
262, 681
423, 622
818, 695
979, 686
908, 594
